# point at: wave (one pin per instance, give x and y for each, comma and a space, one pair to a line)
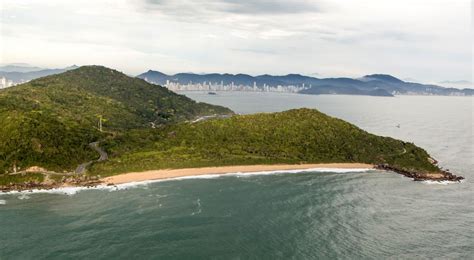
3, 202
23, 197
62, 191
331, 170
125, 186
430, 182
199, 209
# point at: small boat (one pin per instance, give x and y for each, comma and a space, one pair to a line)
211, 93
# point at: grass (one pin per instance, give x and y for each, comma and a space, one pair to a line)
20, 178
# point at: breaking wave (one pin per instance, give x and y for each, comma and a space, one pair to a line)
74, 190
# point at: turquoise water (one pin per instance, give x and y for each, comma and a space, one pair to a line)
347, 215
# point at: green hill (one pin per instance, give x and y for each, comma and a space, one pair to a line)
295, 136
49, 122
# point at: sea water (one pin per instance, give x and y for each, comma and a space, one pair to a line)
323, 213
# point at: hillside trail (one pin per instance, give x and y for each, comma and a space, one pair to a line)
82, 168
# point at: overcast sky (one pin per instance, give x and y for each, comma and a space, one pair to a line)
424, 40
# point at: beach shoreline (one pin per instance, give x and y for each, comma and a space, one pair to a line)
216, 171
223, 170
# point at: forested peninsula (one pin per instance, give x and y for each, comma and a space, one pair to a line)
77, 127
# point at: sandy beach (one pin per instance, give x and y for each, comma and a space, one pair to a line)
175, 173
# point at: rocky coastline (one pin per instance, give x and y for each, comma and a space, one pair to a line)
443, 175
66, 181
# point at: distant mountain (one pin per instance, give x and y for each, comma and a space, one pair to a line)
340, 90
373, 85
457, 83
381, 77
396, 86
21, 74
19, 67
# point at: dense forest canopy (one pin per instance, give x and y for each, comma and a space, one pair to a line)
295, 136
49, 122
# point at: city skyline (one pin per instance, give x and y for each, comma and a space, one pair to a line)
23, 72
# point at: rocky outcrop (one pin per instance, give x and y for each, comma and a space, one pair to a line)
418, 176
65, 181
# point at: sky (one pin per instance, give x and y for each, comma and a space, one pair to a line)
421, 40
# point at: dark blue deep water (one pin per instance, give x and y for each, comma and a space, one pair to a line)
328, 215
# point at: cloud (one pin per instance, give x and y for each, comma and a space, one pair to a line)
426, 39
269, 7
244, 19
245, 7
255, 51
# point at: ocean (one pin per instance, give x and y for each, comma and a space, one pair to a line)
295, 215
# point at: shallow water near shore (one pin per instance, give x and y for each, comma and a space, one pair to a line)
72, 190
315, 214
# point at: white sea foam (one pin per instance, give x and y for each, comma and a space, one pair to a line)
331, 170
125, 186
429, 182
74, 190
204, 176
23, 196
62, 191
199, 210
3, 202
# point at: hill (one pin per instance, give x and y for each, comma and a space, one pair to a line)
295, 136
373, 85
50, 121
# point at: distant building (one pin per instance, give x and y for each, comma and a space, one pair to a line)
5, 83
220, 86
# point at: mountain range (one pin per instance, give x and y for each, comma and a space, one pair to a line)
19, 67
374, 85
23, 73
